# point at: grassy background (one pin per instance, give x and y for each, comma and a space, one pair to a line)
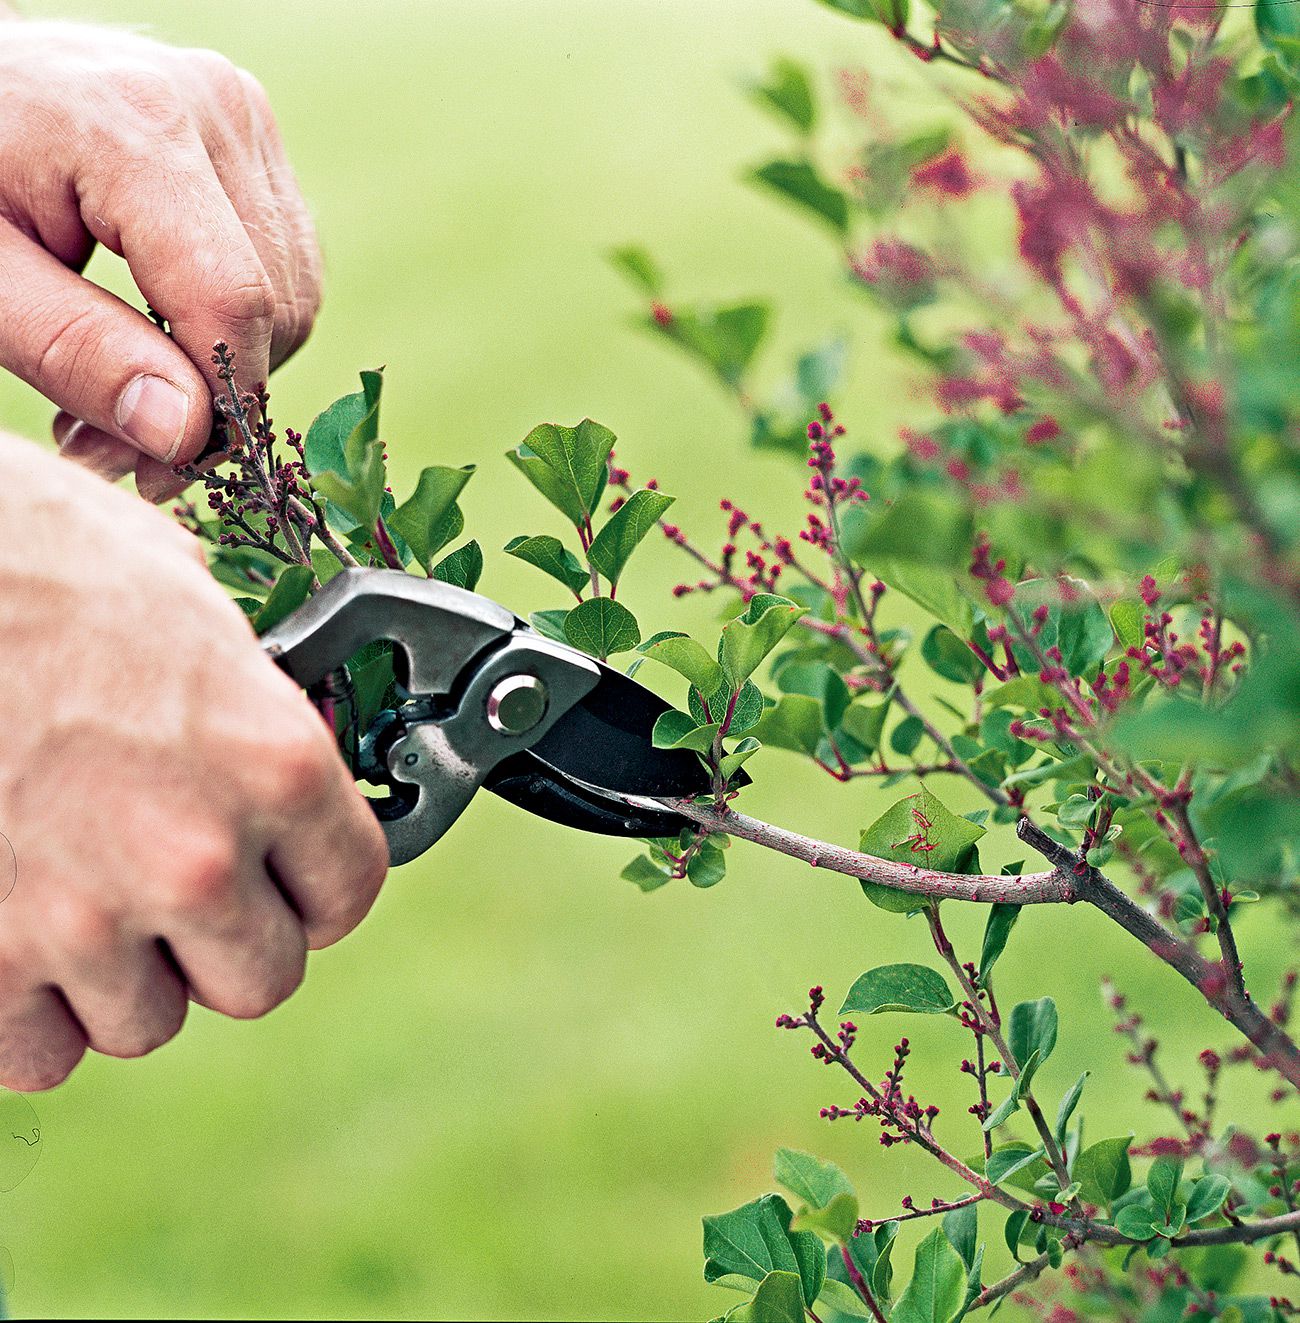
515, 1090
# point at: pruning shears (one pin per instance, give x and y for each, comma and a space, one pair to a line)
485, 701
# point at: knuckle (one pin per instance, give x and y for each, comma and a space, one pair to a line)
147, 91
239, 290
286, 336
358, 891
38, 1076
33, 1068
253, 91
145, 1033
276, 986
62, 350
81, 927
298, 772
222, 77
202, 876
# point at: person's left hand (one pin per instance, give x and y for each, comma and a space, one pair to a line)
170, 158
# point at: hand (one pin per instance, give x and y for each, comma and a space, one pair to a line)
182, 822
172, 160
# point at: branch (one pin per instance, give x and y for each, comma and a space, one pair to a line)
1070, 880
1058, 886
1209, 978
989, 1023
1027, 1272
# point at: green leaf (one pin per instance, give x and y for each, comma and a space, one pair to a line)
353, 418
919, 528
645, 873
1278, 27
678, 730
568, 465
291, 590
1207, 1196
640, 267
899, 988
1076, 811
788, 91
1068, 1104
799, 182
750, 1240
795, 723
932, 587
463, 567
812, 1180
550, 624
1003, 1111
1103, 1170
425, 520
948, 656
938, 1286
616, 541
892, 13
997, 929
1126, 620
841, 1298
1137, 1221
779, 1299
1076, 623
748, 639
687, 658
725, 338
732, 762
1162, 1183
1033, 1031
1011, 1232
995, 731
865, 723
601, 627
854, 8
1009, 1159
708, 866
552, 557
961, 1226
907, 735
903, 831
746, 710
360, 492
831, 1206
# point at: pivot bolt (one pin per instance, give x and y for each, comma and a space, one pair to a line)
516, 704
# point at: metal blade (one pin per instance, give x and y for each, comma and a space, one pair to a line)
530, 784
604, 740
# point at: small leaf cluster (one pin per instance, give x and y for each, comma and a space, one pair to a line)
570, 467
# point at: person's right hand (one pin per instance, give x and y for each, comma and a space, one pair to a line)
183, 825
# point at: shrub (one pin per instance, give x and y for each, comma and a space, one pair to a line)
1098, 521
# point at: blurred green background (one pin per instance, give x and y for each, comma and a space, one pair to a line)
514, 1091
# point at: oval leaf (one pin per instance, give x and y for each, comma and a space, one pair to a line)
601, 627
911, 988
625, 528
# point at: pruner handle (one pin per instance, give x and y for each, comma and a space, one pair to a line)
501, 687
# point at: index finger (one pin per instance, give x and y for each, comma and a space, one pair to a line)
168, 216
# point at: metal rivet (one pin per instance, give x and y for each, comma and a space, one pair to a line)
516, 704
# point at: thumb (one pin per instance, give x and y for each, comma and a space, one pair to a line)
96, 357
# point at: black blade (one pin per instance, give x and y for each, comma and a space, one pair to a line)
605, 741
529, 784
599, 749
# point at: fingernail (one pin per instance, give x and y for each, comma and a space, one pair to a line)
153, 413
